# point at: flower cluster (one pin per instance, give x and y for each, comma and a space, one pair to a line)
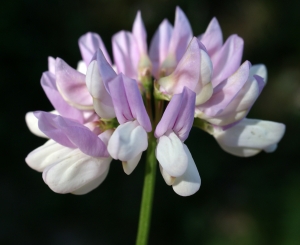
106, 110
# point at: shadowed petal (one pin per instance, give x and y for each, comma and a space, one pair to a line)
127, 141
188, 183
74, 171
171, 155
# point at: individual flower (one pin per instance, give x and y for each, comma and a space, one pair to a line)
176, 162
75, 159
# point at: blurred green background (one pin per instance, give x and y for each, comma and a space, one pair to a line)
241, 201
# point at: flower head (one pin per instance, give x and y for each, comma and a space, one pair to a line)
108, 110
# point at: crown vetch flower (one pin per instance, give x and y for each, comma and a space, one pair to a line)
104, 111
176, 163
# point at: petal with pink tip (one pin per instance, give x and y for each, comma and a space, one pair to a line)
128, 102
126, 53
181, 36
63, 108
159, 46
139, 33
89, 43
71, 134
178, 116
71, 85
212, 38
227, 60
193, 71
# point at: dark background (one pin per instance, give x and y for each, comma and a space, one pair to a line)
241, 201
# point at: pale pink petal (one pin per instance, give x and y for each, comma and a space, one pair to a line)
128, 102
181, 36
227, 60
63, 108
71, 85
225, 93
71, 134
178, 116
212, 38
89, 43
126, 54
193, 71
159, 46
139, 33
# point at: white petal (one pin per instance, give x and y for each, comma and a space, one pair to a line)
171, 154
47, 154
130, 165
260, 70
74, 171
127, 141
240, 151
101, 99
81, 67
168, 178
32, 124
251, 136
188, 183
91, 185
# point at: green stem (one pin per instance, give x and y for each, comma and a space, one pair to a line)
148, 191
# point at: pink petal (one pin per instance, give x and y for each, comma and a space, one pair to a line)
181, 36
227, 60
128, 101
63, 108
139, 33
71, 134
226, 91
51, 65
126, 53
71, 84
159, 46
212, 38
89, 43
179, 115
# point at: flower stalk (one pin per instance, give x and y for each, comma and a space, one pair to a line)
148, 193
